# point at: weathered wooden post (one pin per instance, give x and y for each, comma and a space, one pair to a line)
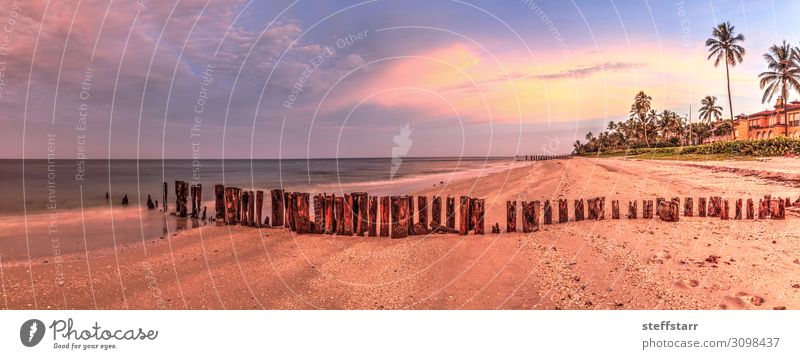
450, 212
348, 214
277, 207
199, 197
463, 218
245, 203
287, 210
477, 215
251, 205
259, 209
219, 203
422, 204
530, 216
632, 210
750, 209
701, 206
738, 214
338, 204
511, 216
688, 207
373, 216
563, 211
319, 213
293, 211
163, 199
400, 216
781, 211
193, 200
330, 222
768, 201
303, 214
763, 208
614, 209
385, 212
579, 209
410, 214
362, 212
714, 206
238, 193
724, 208
647, 208
547, 216
659, 204
436, 212
596, 207
181, 192
230, 206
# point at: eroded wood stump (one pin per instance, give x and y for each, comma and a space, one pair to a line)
750, 209
400, 216
277, 207
701, 206
688, 207
596, 208
347, 222
385, 214
579, 210
251, 209
463, 215
293, 211
410, 213
714, 206
511, 216
181, 194
230, 205
530, 216
614, 209
477, 215
245, 198
219, 202
303, 222
563, 211
738, 214
361, 213
338, 209
647, 208
780, 212
319, 213
330, 220
724, 210
763, 208
286, 210
450, 212
422, 205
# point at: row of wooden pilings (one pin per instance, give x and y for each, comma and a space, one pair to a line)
358, 213
546, 157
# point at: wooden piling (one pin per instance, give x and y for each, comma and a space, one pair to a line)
579, 209
373, 216
763, 208
303, 214
511, 216
614, 209
701, 206
411, 212
361, 212
463, 218
547, 213
724, 209
219, 203
400, 216
330, 222
277, 207
193, 200
738, 213
688, 206
563, 211
251, 212
293, 211
244, 203
259, 208
750, 209
230, 206
163, 199
632, 210
714, 206
319, 213
422, 205
181, 194
647, 209
436, 211
385, 214
450, 212
596, 208
286, 210
530, 216
347, 221
478, 215
781, 211
338, 209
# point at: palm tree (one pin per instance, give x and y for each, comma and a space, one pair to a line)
710, 110
724, 45
639, 109
783, 75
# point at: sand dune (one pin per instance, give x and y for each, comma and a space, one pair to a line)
702, 263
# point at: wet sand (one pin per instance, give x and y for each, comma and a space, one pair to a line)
697, 263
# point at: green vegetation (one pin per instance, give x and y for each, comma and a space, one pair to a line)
778, 146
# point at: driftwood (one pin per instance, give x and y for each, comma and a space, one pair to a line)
477, 215
563, 211
632, 210
615, 209
400, 216
385, 212
701, 207
450, 212
373, 216
436, 211
277, 207
547, 213
463, 215
511, 216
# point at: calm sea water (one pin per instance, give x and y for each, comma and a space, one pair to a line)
57, 184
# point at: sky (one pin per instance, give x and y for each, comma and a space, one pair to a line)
210, 79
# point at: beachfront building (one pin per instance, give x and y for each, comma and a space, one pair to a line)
769, 123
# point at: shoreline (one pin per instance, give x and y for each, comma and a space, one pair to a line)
697, 263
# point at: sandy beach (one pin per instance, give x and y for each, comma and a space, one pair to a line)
696, 263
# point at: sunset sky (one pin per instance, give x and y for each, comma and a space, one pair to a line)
473, 78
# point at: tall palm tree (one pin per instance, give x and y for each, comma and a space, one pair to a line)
639, 109
724, 46
710, 110
783, 75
